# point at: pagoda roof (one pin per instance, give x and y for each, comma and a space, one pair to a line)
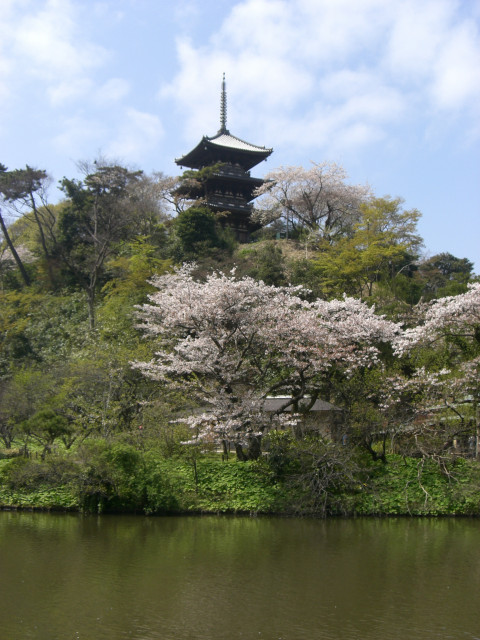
224, 146
225, 139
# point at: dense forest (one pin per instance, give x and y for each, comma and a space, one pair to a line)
150, 363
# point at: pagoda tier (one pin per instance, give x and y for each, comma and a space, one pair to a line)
229, 188
223, 148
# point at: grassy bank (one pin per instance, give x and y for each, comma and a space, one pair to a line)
101, 478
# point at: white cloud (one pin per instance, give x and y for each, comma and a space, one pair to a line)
244, 29
49, 56
187, 13
417, 32
111, 91
360, 66
77, 136
433, 45
457, 69
5, 91
49, 41
137, 133
62, 93
360, 94
127, 136
6, 66
47, 50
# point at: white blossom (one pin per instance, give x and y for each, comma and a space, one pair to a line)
234, 341
453, 315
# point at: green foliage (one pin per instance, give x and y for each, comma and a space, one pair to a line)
18, 190
128, 285
382, 242
198, 232
230, 486
106, 480
317, 472
57, 327
266, 263
58, 498
409, 486
101, 213
40, 328
161, 431
307, 477
360, 395
29, 474
192, 185
68, 392
130, 270
304, 272
27, 392
282, 454
443, 275
117, 477
46, 426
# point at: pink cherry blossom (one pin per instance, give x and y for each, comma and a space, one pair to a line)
230, 343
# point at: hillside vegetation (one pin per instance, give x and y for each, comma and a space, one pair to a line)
139, 342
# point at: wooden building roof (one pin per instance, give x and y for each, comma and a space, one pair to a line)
224, 147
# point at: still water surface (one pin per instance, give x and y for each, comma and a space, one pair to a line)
219, 578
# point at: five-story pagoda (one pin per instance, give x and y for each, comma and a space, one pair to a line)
228, 187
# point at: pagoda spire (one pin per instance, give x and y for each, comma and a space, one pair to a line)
223, 108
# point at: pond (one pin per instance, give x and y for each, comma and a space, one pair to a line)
195, 578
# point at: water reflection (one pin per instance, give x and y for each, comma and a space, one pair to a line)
68, 576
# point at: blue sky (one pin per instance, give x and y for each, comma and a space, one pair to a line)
388, 89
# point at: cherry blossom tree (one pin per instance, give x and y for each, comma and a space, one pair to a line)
446, 320
450, 329
317, 199
231, 343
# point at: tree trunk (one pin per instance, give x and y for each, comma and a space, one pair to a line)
477, 431
254, 447
240, 452
253, 451
43, 240
15, 255
225, 450
91, 307
7, 438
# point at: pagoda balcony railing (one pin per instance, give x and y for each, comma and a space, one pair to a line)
229, 203
231, 170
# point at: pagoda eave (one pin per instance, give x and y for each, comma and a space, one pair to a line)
223, 177
207, 152
224, 204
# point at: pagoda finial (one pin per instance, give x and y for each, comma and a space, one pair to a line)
223, 108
